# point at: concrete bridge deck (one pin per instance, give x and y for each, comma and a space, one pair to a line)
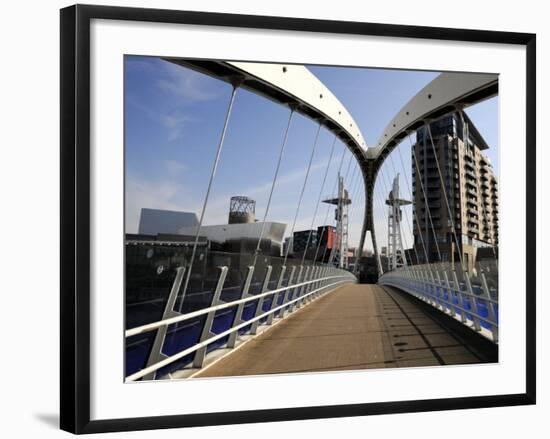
357, 326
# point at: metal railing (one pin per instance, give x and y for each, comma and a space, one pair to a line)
471, 299
222, 323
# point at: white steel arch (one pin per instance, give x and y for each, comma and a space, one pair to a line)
446, 93
289, 84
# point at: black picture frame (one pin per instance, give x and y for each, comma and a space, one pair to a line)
75, 217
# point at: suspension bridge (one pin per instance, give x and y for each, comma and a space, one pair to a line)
208, 313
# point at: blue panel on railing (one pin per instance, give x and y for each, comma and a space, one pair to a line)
179, 337
231, 294
280, 300
266, 307
249, 311
467, 305
477, 290
223, 320
138, 348
483, 311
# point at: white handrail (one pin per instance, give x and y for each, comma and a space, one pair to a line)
435, 284
442, 299
190, 350
398, 279
152, 326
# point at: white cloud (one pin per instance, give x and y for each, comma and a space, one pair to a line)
155, 195
176, 123
186, 83
175, 168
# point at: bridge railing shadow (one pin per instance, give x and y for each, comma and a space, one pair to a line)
469, 297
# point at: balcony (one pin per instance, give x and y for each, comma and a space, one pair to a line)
433, 185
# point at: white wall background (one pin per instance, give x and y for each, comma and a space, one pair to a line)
29, 182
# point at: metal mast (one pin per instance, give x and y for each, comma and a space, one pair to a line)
396, 252
339, 253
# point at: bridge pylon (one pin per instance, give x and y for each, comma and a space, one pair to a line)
396, 252
339, 253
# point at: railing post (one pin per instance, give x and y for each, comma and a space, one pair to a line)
473, 302
207, 327
491, 311
265, 286
450, 292
303, 288
449, 301
436, 292
296, 291
156, 351
424, 287
288, 291
311, 286
240, 307
271, 316
322, 283
460, 296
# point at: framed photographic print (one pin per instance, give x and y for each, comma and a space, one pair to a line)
268, 218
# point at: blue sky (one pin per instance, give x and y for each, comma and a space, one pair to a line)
174, 117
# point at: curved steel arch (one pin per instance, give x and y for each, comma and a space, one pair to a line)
447, 93
292, 85
295, 86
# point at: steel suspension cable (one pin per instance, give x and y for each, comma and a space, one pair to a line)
319, 199
333, 250
328, 208
303, 189
415, 211
387, 189
355, 194
273, 183
390, 185
349, 164
459, 249
209, 188
426, 206
465, 135
379, 197
406, 212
